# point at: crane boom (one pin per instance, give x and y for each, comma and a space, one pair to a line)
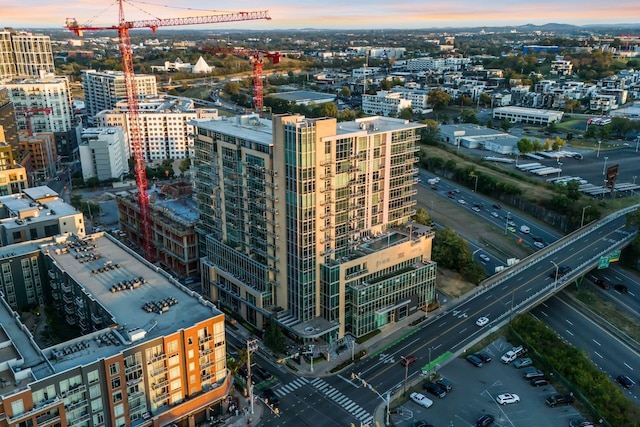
135, 136
154, 24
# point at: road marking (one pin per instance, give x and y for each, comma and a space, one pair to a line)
596, 342
625, 364
528, 290
568, 321
598, 354
462, 331
544, 313
569, 332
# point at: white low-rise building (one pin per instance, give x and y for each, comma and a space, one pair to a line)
103, 153
384, 103
527, 115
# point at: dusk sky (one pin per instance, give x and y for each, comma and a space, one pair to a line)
338, 14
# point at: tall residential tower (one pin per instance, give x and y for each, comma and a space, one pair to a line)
307, 222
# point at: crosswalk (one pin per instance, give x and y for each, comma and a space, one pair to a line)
333, 394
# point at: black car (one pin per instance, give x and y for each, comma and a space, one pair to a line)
485, 420
486, 358
537, 239
448, 385
270, 398
621, 288
497, 206
435, 389
422, 423
559, 399
539, 382
625, 381
262, 373
474, 360
602, 283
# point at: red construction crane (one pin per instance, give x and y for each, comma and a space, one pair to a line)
132, 96
256, 58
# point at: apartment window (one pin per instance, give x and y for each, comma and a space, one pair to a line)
116, 396
114, 369
115, 382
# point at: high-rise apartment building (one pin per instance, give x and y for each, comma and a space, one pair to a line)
24, 54
164, 125
44, 104
44, 156
103, 153
307, 222
13, 176
103, 89
143, 351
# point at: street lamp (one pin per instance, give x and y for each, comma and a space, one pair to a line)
605, 165
582, 220
252, 347
555, 283
475, 188
598, 154
406, 373
506, 222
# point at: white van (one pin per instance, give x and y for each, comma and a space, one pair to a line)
524, 229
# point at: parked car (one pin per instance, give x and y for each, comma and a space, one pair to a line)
507, 398
474, 360
602, 283
435, 389
508, 357
485, 357
580, 422
448, 385
482, 321
519, 350
531, 373
522, 363
421, 399
625, 381
559, 399
409, 360
539, 382
422, 423
485, 421
621, 288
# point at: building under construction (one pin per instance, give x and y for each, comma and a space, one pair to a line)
173, 218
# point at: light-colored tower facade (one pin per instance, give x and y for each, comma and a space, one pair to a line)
164, 125
307, 222
24, 54
103, 89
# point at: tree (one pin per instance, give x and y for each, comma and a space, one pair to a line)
571, 105
450, 250
490, 123
422, 217
505, 124
525, 146
273, 338
345, 91
329, 109
431, 133
406, 113
485, 99
439, 98
468, 116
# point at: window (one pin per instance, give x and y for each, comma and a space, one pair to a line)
17, 407
94, 391
115, 382
116, 396
114, 369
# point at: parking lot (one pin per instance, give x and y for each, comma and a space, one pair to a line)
474, 394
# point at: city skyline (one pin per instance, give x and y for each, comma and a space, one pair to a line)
332, 14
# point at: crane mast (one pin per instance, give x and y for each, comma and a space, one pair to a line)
135, 137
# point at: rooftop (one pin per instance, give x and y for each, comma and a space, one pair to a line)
23, 210
132, 322
248, 127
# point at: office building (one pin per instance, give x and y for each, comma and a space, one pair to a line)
173, 220
385, 103
43, 104
24, 54
103, 89
306, 222
36, 213
103, 153
144, 351
164, 125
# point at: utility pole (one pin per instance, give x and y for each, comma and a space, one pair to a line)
406, 374
252, 347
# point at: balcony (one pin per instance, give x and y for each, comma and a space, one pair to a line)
160, 398
54, 285
78, 404
132, 368
159, 384
96, 319
65, 287
202, 340
159, 371
52, 274
69, 310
